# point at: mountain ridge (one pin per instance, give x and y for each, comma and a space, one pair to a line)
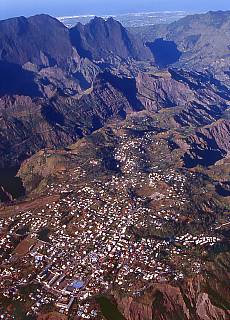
201, 39
97, 40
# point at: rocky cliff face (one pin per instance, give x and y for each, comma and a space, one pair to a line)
193, 300
196, 298
40, 40
102, 40
195, 101
41, 60
28, 125
208, 145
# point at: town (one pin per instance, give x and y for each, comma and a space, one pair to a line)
122, 231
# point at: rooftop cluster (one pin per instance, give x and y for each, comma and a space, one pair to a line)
122, 231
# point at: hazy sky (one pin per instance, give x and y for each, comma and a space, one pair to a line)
11, 8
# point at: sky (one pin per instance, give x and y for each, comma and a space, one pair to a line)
12, 8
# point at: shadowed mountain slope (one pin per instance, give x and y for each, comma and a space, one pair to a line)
196, 42
101, 40
41, 40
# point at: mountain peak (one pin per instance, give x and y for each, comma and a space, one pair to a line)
97, 19
100, 38
37, 39
44, 18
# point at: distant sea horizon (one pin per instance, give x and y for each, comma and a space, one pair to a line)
131, 19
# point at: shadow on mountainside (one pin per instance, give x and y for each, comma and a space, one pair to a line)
15, 80
165, 52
